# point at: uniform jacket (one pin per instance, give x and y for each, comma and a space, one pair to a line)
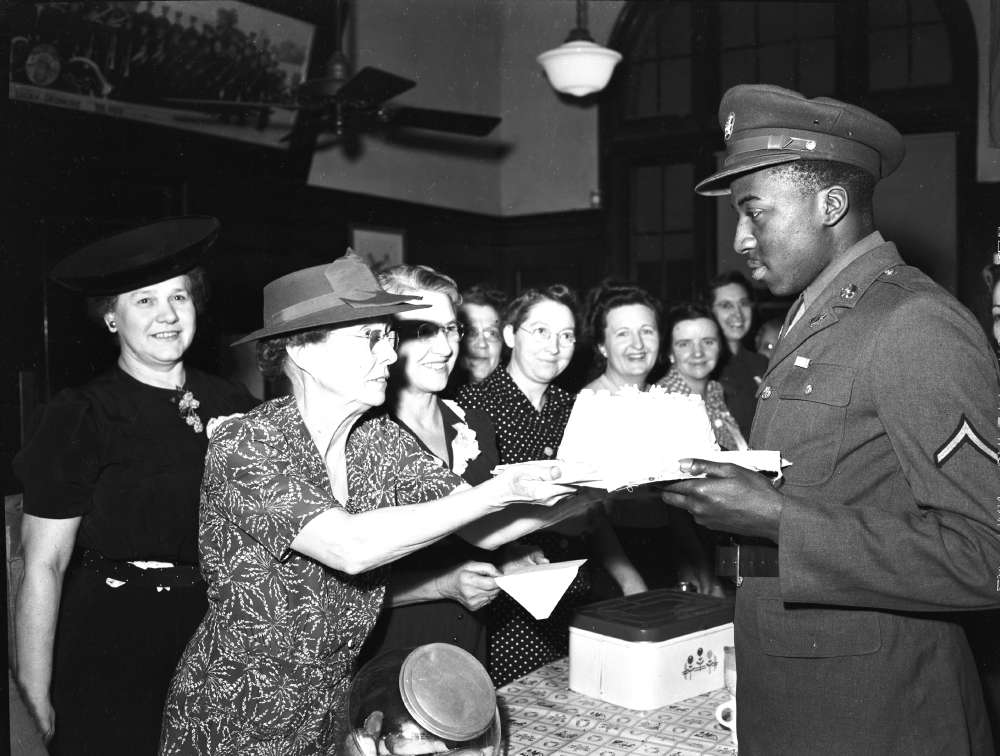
884, 398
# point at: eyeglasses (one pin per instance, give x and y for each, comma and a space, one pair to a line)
376, 336
424, 330
490, 333
543, 335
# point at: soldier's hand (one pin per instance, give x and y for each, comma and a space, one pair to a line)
729, 498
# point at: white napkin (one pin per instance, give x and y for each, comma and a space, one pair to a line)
538, 588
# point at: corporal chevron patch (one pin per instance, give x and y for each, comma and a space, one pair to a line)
965, 433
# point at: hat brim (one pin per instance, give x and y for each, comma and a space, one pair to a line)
717, 184
138, 257
341, 315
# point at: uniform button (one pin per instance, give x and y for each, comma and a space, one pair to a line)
766, 393
548, 451
808, 389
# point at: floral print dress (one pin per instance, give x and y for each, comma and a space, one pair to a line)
267, 671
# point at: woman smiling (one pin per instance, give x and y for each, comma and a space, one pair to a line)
435, 594
695, 347
530, 414
740, 369
623, 321
111, 589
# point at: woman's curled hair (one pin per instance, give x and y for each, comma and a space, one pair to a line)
410, 279
517, 311
271, 353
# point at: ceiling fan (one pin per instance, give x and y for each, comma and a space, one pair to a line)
338, 107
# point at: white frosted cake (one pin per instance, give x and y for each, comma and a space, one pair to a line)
635, 437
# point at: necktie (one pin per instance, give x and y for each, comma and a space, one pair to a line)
792, 317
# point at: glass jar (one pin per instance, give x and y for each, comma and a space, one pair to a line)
433, 699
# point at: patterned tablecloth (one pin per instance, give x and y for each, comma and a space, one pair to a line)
546, 718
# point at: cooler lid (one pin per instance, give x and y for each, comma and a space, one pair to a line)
654, 616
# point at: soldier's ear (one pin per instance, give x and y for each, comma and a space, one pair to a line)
834, 204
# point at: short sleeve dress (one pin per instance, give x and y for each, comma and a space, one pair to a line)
268, 669
472, 452
518, 643
119, 454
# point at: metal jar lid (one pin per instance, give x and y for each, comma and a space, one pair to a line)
447, 691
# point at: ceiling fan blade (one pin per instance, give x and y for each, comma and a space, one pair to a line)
370, 87
451, 121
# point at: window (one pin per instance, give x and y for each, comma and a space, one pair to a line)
908, 45
659, 128
788, 44
659, 74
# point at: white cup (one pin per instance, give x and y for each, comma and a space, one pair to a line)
725, 715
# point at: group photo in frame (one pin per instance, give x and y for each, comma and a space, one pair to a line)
132, 60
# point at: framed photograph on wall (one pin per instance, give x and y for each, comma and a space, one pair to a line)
148, 61
381, 247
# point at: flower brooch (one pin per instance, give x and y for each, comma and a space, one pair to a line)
186, 405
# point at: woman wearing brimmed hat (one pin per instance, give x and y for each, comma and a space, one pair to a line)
297, 525
111, 590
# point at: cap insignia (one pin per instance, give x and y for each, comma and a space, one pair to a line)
727, 130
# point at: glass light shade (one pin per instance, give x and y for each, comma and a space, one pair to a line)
579, 67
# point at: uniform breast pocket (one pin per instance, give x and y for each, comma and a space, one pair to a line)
816, 632
814, 403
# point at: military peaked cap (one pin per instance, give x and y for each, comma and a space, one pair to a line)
765, 125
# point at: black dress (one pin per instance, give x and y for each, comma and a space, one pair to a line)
119, 454
740, 377
442, 621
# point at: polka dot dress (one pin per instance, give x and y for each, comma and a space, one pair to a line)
523, 433
518, 643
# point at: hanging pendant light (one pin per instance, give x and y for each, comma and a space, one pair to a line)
579, 66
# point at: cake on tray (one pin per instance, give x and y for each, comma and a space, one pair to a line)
634, 437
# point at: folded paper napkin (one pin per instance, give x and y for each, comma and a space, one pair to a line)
538, 588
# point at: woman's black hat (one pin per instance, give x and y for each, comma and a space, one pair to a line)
138, 257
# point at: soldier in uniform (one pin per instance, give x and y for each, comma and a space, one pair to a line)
882, 393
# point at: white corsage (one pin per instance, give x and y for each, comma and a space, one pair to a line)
215, 422
465, 447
